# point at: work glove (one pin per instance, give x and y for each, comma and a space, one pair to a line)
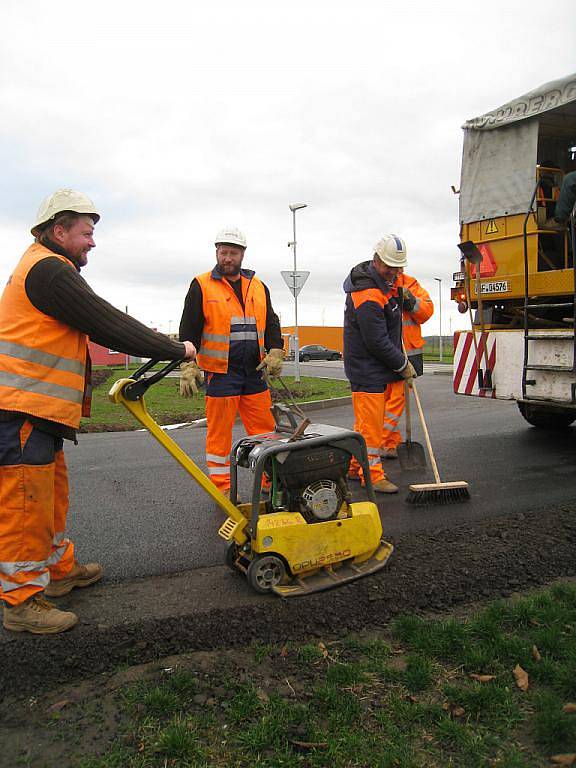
190, 377
408, 373
409, 301
272, 363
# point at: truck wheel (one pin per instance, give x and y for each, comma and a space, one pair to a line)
547, 418
265, 572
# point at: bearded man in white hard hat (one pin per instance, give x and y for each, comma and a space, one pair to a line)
229, 317
47, 313
373, 352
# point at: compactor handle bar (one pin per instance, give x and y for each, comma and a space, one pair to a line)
139, 386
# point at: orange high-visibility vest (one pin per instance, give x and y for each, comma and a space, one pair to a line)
225, 321
423, 310
42, 361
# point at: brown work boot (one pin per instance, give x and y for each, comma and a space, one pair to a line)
38, 616
79, 576
385, 486
389, 453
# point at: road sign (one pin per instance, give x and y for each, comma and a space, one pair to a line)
295, 280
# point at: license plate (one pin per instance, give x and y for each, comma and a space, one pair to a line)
495, 286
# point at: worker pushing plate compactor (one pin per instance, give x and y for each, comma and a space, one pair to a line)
307, 535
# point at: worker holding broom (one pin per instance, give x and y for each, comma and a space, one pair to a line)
228, 315
417, 308
373, 355
47, 313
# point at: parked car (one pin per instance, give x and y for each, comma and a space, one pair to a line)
318, 352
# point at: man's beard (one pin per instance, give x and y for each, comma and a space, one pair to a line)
229, 270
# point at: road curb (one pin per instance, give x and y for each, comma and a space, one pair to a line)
310, 405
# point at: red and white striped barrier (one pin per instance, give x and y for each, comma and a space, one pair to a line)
467, 361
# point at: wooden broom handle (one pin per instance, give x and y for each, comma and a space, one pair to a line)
426, 435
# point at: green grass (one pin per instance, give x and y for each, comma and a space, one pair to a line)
401, 700
166, 406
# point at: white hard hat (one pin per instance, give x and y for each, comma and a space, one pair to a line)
231, 236
392, 251
64, 200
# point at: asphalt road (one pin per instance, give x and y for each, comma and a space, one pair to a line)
136, 511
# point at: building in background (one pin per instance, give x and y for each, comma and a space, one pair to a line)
104, 356
328, 336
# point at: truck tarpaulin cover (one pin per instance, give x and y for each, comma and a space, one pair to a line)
500, 153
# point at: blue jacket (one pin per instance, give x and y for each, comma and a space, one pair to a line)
372, 331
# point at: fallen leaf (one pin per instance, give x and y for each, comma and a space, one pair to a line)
311, 744
570, 708
58, 705
323, 649
536, 654
521, 677
564, 759
453, 709
482, 678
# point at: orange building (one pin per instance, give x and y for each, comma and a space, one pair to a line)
327, 335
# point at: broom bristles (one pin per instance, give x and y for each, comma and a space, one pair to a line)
438, 493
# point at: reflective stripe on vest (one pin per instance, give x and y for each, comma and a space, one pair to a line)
42, 360
46, 359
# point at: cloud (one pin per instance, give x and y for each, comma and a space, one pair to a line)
181, 118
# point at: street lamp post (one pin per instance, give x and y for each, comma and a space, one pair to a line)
295, 207
439, 281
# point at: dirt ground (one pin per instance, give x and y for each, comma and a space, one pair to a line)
430, 572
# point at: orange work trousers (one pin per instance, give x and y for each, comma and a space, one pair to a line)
221, 412
395, 400
33, 511
368, 419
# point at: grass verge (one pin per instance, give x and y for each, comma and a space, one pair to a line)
492, 689
167, 407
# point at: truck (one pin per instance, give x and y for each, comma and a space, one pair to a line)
516, 277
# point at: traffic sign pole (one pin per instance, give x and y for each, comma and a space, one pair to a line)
295, 290
295, 281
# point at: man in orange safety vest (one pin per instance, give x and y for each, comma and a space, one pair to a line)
47, 314
228, 315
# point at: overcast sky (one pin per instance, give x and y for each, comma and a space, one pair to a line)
179, 118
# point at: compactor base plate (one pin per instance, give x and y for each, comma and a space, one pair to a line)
336, 575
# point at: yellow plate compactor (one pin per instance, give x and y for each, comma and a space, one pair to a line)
303, 533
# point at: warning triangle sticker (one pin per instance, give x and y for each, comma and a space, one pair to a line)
491, 229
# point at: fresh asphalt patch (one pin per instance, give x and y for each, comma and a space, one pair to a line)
214, 608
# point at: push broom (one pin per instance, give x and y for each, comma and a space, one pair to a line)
438, 492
